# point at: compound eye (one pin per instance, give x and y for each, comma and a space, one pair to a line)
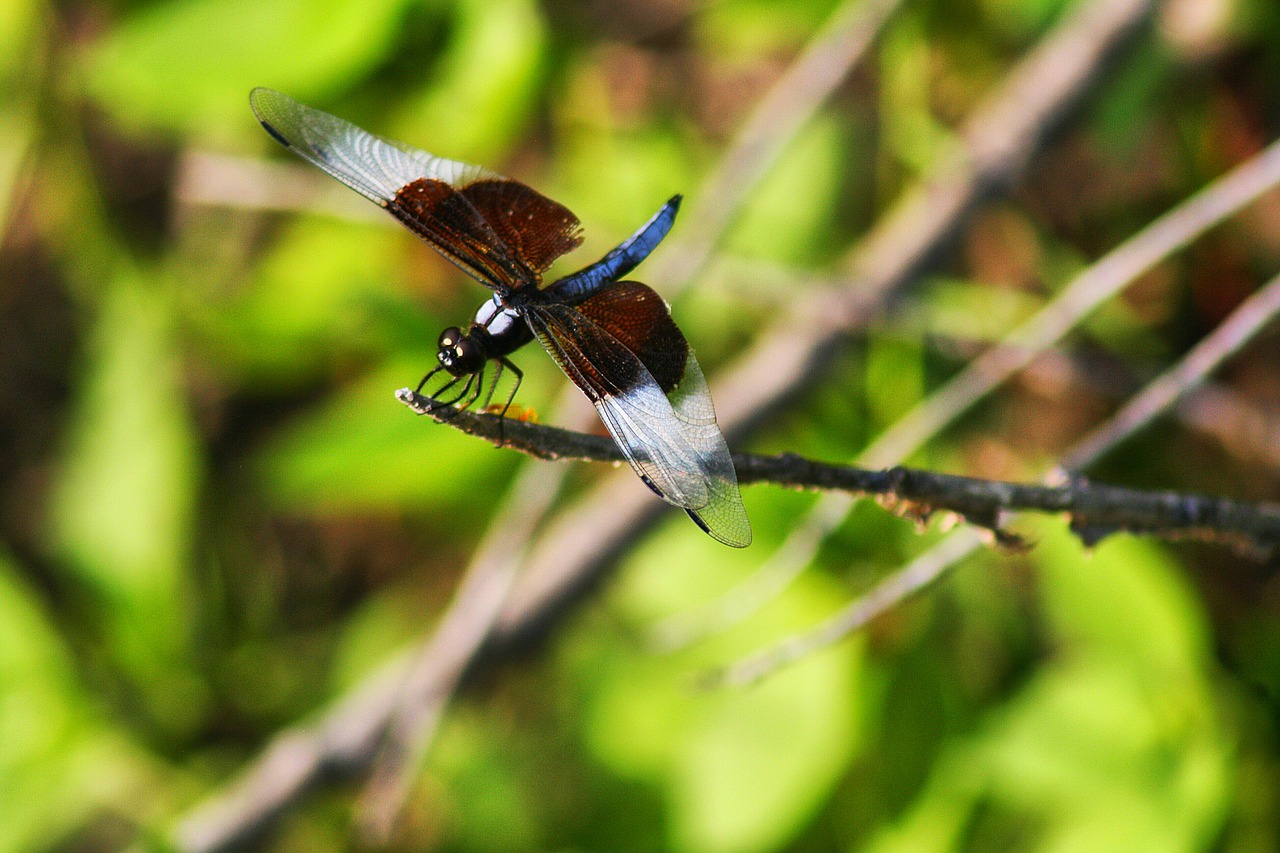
467, 355
449, 337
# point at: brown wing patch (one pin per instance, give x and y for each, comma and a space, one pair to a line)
450, 222
636, 315
536, 229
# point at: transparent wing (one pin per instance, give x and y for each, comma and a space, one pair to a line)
376, 168
670, 437
497, 230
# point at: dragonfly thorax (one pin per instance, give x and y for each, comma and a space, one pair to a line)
495, 318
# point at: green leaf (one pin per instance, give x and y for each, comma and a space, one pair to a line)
912, 134
121, 513
742, 31
22, 51
1127, 105
53, 750
191, 64
788, 216
742, 769
1115, 743
485, 85
756, 765
1021, 19
364, 451
1125, 601
317, 293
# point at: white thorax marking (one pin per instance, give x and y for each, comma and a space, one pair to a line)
495, 317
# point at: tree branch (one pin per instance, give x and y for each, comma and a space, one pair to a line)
1094, 509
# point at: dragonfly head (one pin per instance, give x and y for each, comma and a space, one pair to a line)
459, 354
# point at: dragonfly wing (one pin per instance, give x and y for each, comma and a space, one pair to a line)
658, 409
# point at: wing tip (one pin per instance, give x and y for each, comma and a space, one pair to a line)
258, 98
259, 95
738, 538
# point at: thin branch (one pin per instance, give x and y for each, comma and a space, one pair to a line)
451, 648
884, 596
775, 122
1081, 297
919, 494
1240, 426
206, 178
797, 350
1250, 318
1245, 322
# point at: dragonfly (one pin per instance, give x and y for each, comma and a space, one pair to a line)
614, 338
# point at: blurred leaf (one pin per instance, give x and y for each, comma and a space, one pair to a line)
22, 61
121, 515
313, 298
383, 626
365, 451
53, 749
1127, 104
742, 768
1022, 19
486, 83
974, 310
912, 135
940, 817
895, 378
744, 30
788, 216
1106, 762
1115, 744
1128, 601
190, 64
643, 168
491, 793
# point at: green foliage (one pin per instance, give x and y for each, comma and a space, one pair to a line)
323, 462
786, 218
190, 64
1114, 743
215, 518
741, 769
490, 72
55, 742
121, 518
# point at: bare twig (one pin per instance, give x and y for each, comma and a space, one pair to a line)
1081, 297
981, 502
889, 593
1245, 322
442, 660
244, 183
1226, 340
772, 126
797, 350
